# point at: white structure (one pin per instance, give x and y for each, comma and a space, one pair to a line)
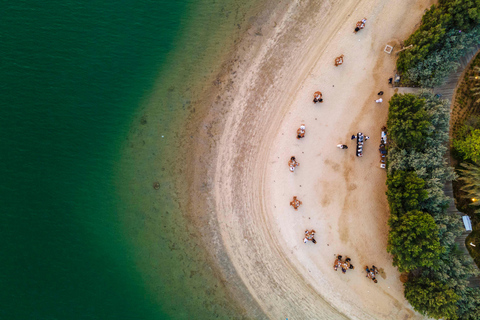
467, 223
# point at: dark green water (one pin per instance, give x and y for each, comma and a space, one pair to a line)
87, 90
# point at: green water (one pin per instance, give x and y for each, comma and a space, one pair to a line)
87, 90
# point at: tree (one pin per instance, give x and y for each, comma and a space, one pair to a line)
476, 78
469, 147
470, 177
469, 304
405, 192
408, 121
465, 13
432, 69
413, 241
432, 298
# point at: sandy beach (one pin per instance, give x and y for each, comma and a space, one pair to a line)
262, 99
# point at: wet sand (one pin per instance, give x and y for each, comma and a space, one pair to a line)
242, 185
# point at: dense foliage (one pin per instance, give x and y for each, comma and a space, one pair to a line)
405, 192
413, 241
447, 31
432, 298
469, 146
422, 235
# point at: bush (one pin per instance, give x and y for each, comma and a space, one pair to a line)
414, 242
422, 235
405, 192
469, 147
433, 69
408, 121
447, 32
432, 298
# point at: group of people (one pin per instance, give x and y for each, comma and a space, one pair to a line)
309, 236
293, 164
317, 97
382, 147
371, 273
360, 25
295, 203
301, 132
344, 265
360, 140
338, 60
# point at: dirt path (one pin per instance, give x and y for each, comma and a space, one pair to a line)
344, 196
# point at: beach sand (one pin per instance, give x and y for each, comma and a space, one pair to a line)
242, 182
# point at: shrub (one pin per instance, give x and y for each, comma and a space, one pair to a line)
433, 69
469, 147
408, 121
405, 192
432, 298
413, 241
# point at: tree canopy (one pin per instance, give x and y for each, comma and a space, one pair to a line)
469, 147
414, 242
408, 121
405, 192
432, 298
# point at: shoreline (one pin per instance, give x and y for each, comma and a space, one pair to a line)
259, 113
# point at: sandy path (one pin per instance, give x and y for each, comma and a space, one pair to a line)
344, 196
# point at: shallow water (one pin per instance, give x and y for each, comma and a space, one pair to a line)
88, 89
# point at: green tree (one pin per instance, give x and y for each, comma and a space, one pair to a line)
413, 241
470, 178
465, 13
408, 121
405, 192
469, 147
476, 78
469, 304
432, 298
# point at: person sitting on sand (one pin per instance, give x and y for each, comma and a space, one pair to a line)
338, 263
360, 25
295, 203
293, 164
339, 60
317, 97
349, 264
309, 236
301, 132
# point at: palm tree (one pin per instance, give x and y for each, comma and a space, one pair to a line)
476, 87
470, 178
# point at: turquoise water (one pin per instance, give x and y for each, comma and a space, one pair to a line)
87, 90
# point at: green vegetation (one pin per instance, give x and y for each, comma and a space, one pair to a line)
432, 298
422, 234
405, 192
447, 32
413, 241
466, 129
469, 145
